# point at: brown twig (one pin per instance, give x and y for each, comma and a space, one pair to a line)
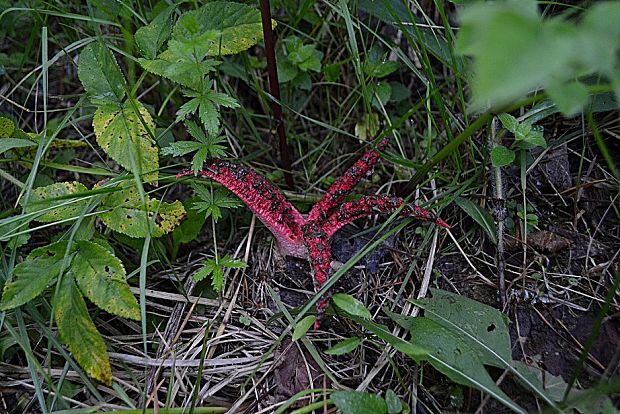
274, 90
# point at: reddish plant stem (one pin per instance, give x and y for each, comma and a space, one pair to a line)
274, 90
370, 205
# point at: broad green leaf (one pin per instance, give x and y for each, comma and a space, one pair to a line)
480, 216
569, 97
343, 347
502, 156
101, 278
129, 216
483, 327
394, 404
41, 267
509, 122
7, 126
445, 350
354, 402
351, 305
303, 326
60, 201
7, 144
101, 76
516, 51
553, 386
122, 134
451, 355
235, 26
150, 38
78, 332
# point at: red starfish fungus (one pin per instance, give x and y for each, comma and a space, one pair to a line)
308, 236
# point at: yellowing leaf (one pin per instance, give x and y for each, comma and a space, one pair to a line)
61, 199
6, 127
78, 331
236, 26
101, 278
34, 274
126, 135
129, 216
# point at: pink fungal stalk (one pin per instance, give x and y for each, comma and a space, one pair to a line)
308, 236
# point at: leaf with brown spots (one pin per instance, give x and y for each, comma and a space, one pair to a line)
101, 278
129, 216
126, 135
61, 201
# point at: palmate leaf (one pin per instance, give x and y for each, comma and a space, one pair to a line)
41, 267
234, 26
101, 278
180, 69
62, 199
127, 215
126, 135
78, 332
204, 102
215, 269
101, 76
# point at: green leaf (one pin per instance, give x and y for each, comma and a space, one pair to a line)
150, 38
483, 327
7, 144
502, 156
394, 404
191, 227
443, 349
354, 402
451, 355
101, 76
376, 64
78, 332
101, 278
351, 305
381, 92
480, 216
41, 267
235, 26
550, 51
213, 201
208, 146
229, 262
63, 200
129, 216
303, 326
569, 97
534, 138
180, 69
509, 122
205, 104
126, 135
344, 346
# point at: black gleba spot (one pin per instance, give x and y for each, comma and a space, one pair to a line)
491, 327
